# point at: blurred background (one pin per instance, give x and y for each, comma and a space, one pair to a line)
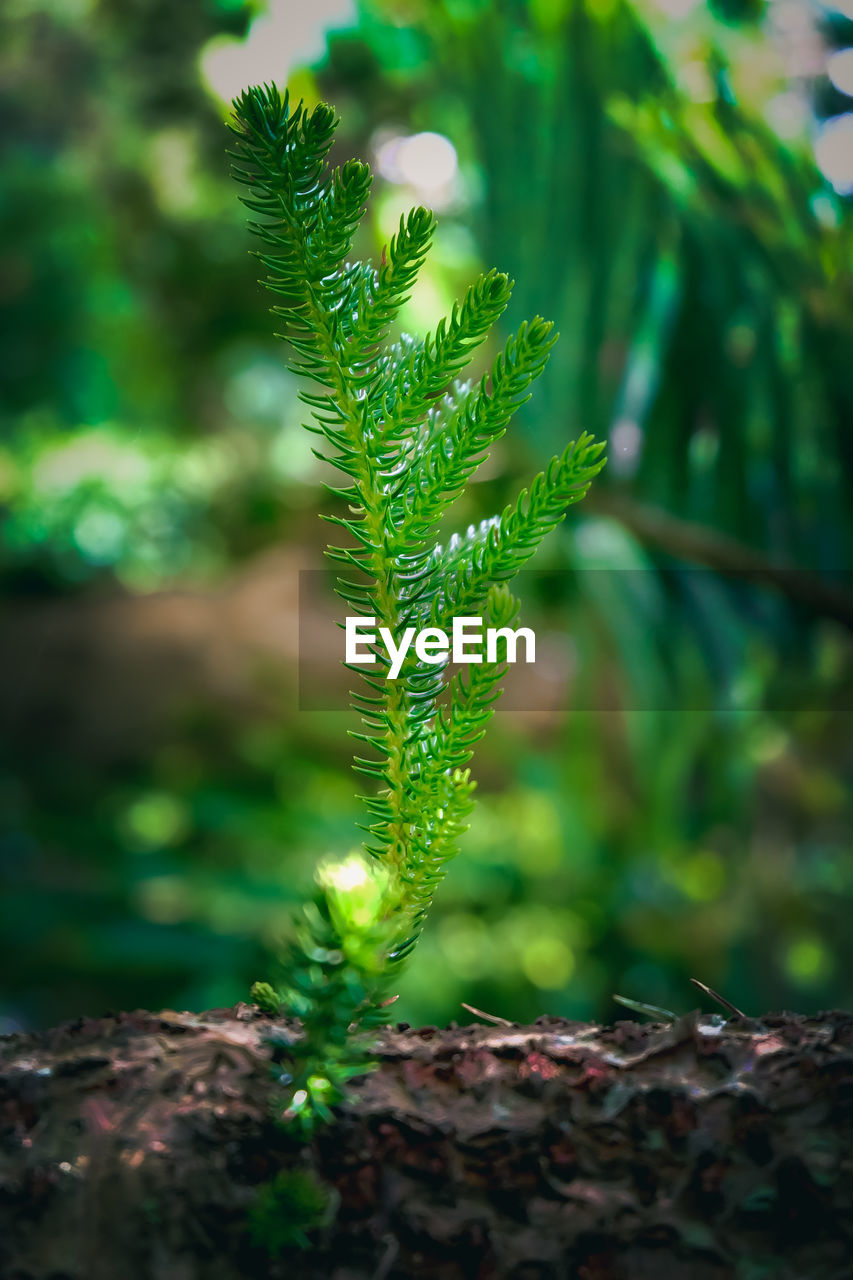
669, 180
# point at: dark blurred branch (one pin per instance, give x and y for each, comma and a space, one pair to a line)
695, 542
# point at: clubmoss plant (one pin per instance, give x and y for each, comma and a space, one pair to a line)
287, 1208
397, 420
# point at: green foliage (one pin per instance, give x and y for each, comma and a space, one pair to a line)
397, 421
286, 1208
333, 973
265, 996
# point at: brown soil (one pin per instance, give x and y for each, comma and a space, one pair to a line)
134, 1146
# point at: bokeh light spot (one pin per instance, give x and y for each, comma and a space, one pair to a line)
465, 942
702, 876
548, 962
163, 899
626, 441
426, 162
808, 961
286, 35
834, 152
156, 821
839, 68
99, 536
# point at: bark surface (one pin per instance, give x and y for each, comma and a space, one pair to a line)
136, 1146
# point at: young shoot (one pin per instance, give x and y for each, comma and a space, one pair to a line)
406, 431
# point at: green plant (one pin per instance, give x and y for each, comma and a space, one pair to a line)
294, 1203
407, 433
